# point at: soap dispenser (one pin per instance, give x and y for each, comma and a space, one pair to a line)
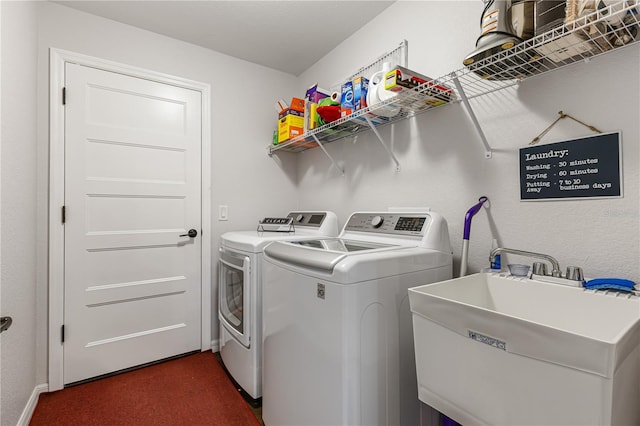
496, 264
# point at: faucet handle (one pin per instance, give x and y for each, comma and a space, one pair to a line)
574, 273
540, 268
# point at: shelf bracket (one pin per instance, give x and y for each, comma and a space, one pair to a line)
487, 148
333, 162
375, 131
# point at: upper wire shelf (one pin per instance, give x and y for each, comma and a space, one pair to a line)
599, 32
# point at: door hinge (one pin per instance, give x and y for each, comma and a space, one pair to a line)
64, 214
64, 96
62, 333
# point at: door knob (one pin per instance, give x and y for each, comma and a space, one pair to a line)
5, 323
191, 234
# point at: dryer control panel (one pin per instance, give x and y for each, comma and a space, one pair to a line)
414, 224
293, 219
313, 219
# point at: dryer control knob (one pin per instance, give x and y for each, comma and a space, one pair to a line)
376, 222
299, 218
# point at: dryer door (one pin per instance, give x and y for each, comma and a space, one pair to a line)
234, 280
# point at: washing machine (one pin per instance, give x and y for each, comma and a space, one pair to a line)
239, 291
337, 330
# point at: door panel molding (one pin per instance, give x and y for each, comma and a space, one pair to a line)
57, 61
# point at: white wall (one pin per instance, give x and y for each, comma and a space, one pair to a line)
442, 159
242, 121
18, 207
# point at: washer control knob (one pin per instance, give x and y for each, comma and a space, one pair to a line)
376, 222
299, 218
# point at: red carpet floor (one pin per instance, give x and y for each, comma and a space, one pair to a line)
192, 390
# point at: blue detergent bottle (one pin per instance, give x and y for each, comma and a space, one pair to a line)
496, 265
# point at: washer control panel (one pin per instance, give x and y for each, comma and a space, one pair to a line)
389, 223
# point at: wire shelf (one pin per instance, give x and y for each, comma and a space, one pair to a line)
599, 32
604, 30
402, 106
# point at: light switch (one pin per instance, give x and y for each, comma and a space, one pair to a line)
223, 213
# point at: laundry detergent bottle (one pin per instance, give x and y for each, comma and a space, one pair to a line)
496, 264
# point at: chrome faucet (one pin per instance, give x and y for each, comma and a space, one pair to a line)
555, 272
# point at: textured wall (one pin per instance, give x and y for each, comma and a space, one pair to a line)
18, 207
442, 159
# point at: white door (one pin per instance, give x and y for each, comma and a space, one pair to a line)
132, 287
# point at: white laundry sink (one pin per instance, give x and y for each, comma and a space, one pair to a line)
497, 349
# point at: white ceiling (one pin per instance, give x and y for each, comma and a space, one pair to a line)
287, 35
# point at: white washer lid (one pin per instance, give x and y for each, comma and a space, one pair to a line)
358, 266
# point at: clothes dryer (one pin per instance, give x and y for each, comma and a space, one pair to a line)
240, 294
337, 329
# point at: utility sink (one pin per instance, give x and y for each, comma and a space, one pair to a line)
497, 349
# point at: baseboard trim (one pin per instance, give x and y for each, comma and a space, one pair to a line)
215, 345
25, 418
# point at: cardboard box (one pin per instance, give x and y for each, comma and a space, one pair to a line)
290, 124
311, 115
402, 79
310, 111
297, 104
346, 101
566, 47
360, 88
314, 94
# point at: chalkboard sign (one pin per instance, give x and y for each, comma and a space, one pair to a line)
580, 168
